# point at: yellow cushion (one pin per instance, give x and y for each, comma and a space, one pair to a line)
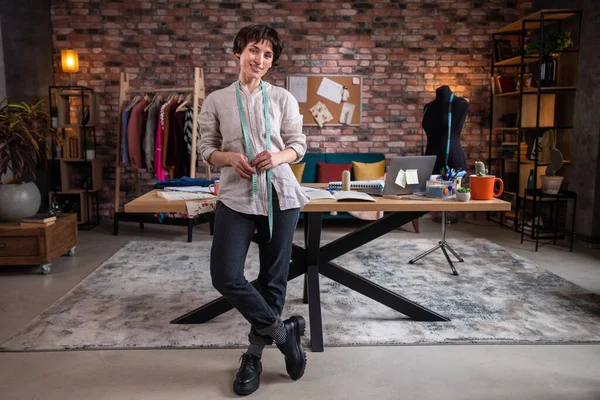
298, 170
368, 171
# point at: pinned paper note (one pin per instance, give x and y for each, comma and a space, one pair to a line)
347, 113
330, 90
355, 80
412, 177
321, 114
401, 178
345, 95
298, 87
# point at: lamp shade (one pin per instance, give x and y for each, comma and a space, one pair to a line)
69, 60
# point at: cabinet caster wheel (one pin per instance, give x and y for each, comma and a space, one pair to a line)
46, 269
72, 251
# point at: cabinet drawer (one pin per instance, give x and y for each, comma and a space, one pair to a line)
19, 246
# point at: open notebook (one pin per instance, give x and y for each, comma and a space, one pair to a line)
341, 195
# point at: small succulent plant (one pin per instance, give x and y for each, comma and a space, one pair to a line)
556, 162
480, 169
463, 190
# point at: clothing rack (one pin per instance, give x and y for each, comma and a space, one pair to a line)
125, 92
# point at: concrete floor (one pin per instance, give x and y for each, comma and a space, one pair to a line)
387, 372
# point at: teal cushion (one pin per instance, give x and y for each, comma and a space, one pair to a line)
310, 170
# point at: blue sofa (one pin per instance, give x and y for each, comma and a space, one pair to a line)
310, 174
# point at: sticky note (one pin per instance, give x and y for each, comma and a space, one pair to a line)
401, 178
355, 80
412, 177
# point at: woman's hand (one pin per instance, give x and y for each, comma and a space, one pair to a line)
240, 165
267, 159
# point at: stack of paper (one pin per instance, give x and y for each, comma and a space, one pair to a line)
173, 196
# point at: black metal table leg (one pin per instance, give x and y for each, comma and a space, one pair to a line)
190, 229
312, 244
116, 224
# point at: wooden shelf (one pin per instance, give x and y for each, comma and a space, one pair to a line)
515, 61
534, 21
540, 164
76, 191
506, 129
544, 90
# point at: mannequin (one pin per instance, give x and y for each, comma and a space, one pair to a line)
435, 124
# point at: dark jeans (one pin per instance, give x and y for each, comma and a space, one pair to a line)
233, 233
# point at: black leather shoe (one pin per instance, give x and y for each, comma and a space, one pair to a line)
292, 348
247, 379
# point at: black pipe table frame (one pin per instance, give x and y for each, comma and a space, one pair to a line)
314, 260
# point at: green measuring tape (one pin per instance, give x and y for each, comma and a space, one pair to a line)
238, 94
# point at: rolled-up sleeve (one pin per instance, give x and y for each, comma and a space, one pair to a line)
291, 127
210, 134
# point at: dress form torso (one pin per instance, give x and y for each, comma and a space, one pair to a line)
435, 124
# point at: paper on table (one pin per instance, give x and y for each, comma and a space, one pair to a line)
190, 189
298, 87
347, 113
330, 90
401, 178
173, 196
321, 114
412, 177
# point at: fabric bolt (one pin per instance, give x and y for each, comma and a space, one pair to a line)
134, 133
220, 128
150, 137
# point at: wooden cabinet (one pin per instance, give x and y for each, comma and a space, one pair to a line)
38, 246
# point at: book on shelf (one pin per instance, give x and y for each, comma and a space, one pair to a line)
39, 219
373, 184
340, 195
36, 225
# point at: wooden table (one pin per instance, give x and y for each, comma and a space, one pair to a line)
314, 260
144, 207
38, 246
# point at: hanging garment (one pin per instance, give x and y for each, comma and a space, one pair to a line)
187, 132
124, 144
150, 137
169, 111
158, 150
134, 133
177, 155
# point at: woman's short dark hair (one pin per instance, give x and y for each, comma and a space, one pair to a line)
258, 33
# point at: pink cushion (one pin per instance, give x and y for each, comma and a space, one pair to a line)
331, 172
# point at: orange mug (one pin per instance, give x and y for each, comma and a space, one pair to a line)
214, 188
482, 187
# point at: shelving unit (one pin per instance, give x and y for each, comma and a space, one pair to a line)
74, 113
518, 117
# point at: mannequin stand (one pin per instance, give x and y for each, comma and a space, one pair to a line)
441, 245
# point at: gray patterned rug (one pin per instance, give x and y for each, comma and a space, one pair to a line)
498, 297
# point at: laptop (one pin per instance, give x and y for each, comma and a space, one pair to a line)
424, 166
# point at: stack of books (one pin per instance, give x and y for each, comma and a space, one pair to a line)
38, 221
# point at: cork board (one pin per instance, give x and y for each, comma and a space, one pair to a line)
312, 83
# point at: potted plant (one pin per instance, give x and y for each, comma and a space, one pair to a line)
550, 181
90, 149
553, 43
482, 184
463, 194
24, 133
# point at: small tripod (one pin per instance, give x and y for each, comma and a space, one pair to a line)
441, 245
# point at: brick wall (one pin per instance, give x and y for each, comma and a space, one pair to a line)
404, 49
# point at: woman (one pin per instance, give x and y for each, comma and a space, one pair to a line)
253, 130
